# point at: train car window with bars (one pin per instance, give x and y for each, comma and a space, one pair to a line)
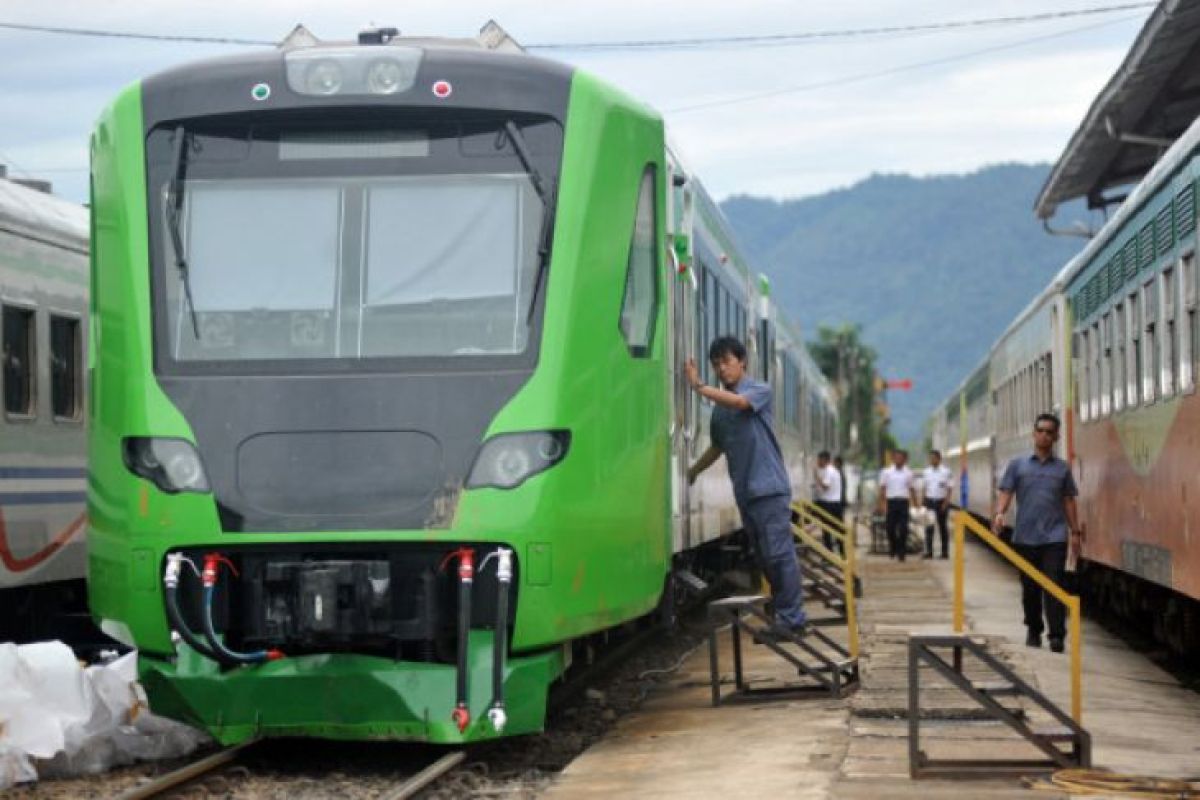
1150, 355
1169, 374
66, 373
1105, 364
1118, 357
1048, 381
1097, 387
1083, 367
708, 306
18, 356
1134, 384
638, 310
1191, 326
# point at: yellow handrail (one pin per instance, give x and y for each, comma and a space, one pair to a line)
816, 509
821, 518
964, 522
846, 564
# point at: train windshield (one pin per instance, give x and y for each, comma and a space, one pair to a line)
325, 246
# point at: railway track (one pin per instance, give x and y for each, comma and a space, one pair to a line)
209, 765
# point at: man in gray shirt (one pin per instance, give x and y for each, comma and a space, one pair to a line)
1046, 517
741, 430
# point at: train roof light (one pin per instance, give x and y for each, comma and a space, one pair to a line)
343, 71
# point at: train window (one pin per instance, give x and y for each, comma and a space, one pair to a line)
65, 367
1105, 365
1150, 355
1118, 357
1169, 375
1134, 365
1190, 341
701, 325
639, 308
18, 352
1048, 382
1085, 375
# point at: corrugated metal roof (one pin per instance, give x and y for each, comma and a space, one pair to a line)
1154, 94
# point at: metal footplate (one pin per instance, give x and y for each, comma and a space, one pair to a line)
1064, 747
824, 664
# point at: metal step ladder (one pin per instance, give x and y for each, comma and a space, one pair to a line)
824, 582
1066, 744
824, 665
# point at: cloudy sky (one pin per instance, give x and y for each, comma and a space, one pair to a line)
785, 121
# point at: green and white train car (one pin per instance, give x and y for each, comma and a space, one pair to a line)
388, 347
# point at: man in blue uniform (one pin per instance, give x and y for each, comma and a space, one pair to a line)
742, 431
1046, 517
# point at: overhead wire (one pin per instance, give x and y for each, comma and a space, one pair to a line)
784, 39
700, 42
865, 76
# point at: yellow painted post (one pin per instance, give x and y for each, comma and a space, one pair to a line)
1076, 662
959, 536
851, 611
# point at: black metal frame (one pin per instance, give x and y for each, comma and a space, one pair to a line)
826, 676
921, 649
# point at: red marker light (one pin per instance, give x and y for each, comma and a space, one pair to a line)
442, 89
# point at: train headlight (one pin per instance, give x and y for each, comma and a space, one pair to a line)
508, 460
323, 77
385, 76
328, 71
173, 465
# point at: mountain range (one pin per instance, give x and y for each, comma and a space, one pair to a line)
932, 268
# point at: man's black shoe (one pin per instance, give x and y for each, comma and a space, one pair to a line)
945, 555
779, 631
1056, 644
1033, 639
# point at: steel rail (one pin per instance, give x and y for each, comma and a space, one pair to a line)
182, 775
427, 776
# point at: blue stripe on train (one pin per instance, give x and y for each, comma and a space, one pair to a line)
42, 472
40, 498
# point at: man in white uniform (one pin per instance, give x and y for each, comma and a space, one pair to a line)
936, 487
896, 488
827, 494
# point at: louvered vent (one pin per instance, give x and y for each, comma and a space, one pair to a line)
1185, 211
1146, 246
1164, 228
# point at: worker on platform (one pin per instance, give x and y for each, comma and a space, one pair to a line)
936, 488
896, 488
827, 494
1046, 520
742, 430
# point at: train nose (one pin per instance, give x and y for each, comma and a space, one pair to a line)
302, 473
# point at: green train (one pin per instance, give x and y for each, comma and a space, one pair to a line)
386, 403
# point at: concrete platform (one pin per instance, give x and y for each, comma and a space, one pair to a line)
677, 745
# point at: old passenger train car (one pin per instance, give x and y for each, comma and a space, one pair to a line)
43, 296
387, 404
1113, 346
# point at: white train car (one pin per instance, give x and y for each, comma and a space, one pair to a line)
962, 431
43, 327
1028, 373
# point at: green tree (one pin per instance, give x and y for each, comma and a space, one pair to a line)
850, 365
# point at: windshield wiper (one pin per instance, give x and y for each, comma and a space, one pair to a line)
547, 196
174, 213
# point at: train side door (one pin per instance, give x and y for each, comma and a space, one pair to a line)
683, 290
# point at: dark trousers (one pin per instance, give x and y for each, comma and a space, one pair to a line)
940, 511
897, 527
768, 521
835, 510
1051, 559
